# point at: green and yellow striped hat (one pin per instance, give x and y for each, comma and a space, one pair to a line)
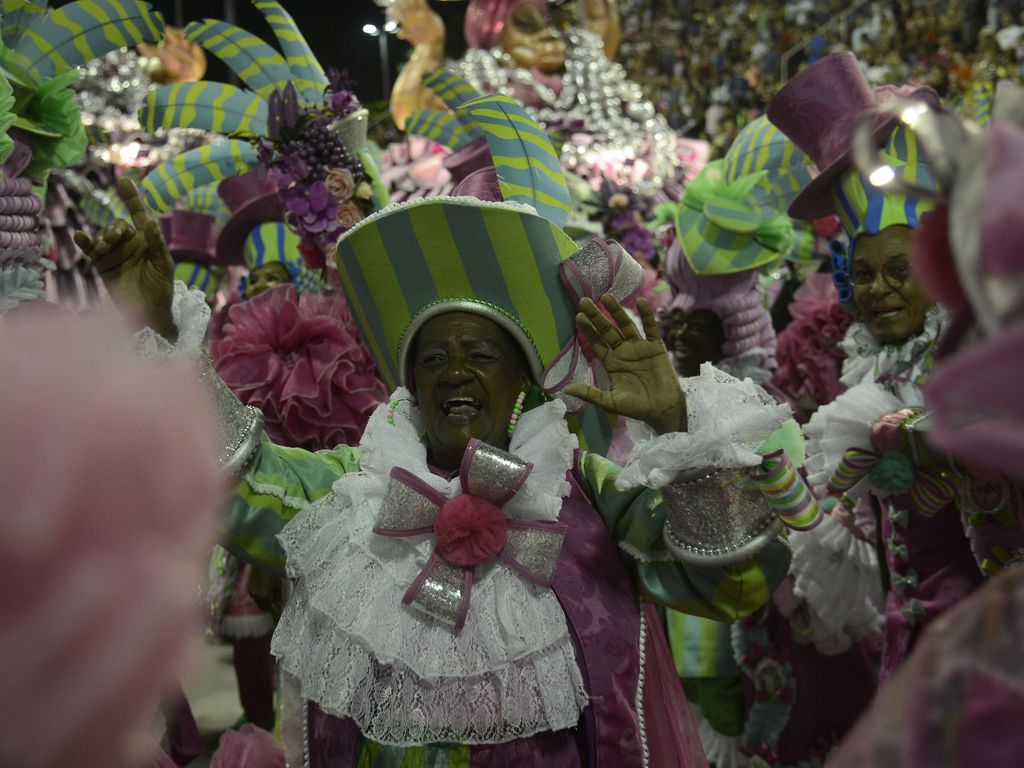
760, 146
410, 262
725, 228
864, 208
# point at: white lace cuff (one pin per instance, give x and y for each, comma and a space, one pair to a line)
836, 578
191, 315
728, 420
238, 426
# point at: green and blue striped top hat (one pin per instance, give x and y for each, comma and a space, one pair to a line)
864, 208
273, 242
725, 228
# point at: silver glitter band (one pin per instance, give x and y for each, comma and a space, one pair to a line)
718, 519
238, 426
494, 474
442, 593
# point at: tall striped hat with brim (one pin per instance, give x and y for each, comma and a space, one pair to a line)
198, 276
725, 228
404, 265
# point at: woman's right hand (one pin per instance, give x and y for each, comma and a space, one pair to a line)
135, 264
419, 24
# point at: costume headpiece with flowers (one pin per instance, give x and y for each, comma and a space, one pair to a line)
305, 128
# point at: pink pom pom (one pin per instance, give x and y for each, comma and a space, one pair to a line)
933, 262
248, 747
470, 530
886, 435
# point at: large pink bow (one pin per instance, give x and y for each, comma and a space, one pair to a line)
469, 530
599, 267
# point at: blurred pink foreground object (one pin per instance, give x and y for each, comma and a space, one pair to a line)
109, 505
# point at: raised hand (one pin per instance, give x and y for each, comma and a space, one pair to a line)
643, 383
133, 260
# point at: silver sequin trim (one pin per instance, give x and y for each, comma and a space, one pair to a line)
493, 473
238, 426
537, 551
716, 514
441, 594
405, 508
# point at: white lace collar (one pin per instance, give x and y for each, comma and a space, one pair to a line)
902, 365
405, 678
542, 438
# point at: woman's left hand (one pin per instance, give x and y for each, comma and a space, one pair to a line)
643, 383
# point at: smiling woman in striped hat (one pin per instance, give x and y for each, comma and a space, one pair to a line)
470, 586
943, 531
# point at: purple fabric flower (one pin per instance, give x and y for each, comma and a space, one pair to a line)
286, 170
344, 103
340, 80
314, 207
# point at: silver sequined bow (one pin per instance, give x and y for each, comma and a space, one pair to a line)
442, 589
599, 267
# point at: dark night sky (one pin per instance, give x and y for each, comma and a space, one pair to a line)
333, 29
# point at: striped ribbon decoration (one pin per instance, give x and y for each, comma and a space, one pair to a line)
789, 495
442, 127
929, 493
453, 90
78, 32
529, 169
855, 464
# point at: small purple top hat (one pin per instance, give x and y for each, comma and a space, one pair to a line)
819, 108
189, 236
253, 200
471, 158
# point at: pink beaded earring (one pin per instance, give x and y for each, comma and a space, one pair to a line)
517, 411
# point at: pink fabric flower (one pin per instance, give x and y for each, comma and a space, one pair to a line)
248, 747
341, 184
807, 351
299, 359
470, 530
349, 215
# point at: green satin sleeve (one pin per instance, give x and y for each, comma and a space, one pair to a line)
278, 483
635, 519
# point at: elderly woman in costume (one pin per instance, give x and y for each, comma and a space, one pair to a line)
941, 530
469, 584
760, 695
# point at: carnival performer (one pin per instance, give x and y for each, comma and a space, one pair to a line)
761, 695
439, 625
957, 699
939, 532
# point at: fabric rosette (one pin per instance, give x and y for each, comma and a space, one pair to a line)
300, 361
